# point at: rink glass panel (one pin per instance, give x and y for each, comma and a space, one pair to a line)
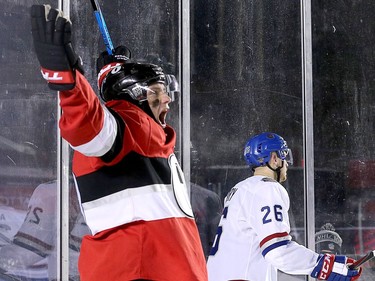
28, 146
246, 77
344, 131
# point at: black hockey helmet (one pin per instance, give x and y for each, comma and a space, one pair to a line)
130, 81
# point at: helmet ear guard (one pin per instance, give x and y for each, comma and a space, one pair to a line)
137, 92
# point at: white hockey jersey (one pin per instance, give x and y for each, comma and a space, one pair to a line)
252, 239
11, 220
32, 245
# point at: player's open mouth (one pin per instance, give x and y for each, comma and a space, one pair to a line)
162, 117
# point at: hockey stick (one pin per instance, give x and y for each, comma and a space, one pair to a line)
6, 277
102, 27
362, 260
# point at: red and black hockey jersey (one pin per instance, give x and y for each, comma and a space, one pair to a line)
132, 192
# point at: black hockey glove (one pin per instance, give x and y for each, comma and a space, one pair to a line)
52, 42
120, 54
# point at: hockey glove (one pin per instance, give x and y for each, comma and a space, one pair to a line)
335, 268
120, 54
52, 42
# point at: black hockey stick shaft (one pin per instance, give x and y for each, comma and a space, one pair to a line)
102, 26
362, 260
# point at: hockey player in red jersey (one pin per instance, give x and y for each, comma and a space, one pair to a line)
253, 240
132, 190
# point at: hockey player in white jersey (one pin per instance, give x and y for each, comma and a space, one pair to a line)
252, 240
10, 222
31, 252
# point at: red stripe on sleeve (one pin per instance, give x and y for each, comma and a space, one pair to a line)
276, 235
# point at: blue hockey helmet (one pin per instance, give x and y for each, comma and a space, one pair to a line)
258, 149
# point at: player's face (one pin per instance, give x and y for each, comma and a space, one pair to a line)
158, 101
283, 171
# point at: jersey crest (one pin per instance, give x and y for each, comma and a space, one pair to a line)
179, 186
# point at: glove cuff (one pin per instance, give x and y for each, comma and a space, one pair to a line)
59, 80
323, 267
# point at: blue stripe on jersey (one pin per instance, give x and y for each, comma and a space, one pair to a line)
273, 246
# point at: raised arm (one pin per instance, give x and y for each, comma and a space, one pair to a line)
85, 123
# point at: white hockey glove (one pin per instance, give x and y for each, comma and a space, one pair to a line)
335, 268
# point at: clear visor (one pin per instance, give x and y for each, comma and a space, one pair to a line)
139, 92
171, 86
287, 155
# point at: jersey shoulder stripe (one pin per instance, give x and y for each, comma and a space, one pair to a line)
32, 244
274, 241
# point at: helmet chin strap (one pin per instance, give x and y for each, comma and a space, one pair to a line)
277, 170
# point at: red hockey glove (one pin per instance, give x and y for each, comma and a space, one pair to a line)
52, 42
335, 268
